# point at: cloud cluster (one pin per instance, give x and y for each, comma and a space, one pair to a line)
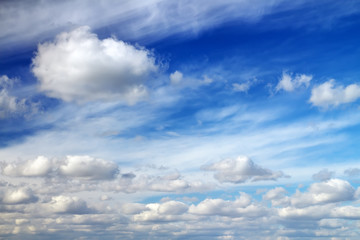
289, 83
240, 170
77, 66
80, 167
329, 94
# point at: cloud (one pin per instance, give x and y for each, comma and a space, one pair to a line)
289, 84
77, 66
323, 175
352, 172
18, 196
329, 94
38, 167
70, 205
331, 191
240, 170
88, 168
176, 77
241, 87
168, 211
11, 105
241, 206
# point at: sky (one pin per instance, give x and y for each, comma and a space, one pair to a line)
181, 119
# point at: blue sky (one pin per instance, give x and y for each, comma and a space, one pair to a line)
179, 119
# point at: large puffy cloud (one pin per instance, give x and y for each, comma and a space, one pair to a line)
88, 168
78, 66
38, 167
18, 196
289, 84
331, 191
328, 94
240, 170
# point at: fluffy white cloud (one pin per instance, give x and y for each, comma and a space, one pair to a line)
18, 196
168, 211
289, 84
176, 77
78, 66
328, 94
38, 167
88, 168
240, 170
240, 207
71, 205
333, 190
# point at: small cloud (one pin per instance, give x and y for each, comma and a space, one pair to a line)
88, 168
18, 196
38, 167
328, 94
242, 87
352, 172
289, 84
70, 205
176, 77
323, 175
240, 170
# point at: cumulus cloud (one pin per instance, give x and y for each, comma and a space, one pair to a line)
240, 170
176, 77
241, 206
77, 66
71, 205
38, 167
289, 83
168, 211
331, 191
88, 168
18, 196
323, 175
329, 94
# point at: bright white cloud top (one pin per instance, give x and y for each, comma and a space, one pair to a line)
78, 66
179, 120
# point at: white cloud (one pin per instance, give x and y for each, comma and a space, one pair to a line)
323, 175
88, 168
168, 211
78, 66
240, 170
328, 94
289, 84
331, 191
71, 205
241, 206
38, 167
352, 172
176, 77
18, 196
241, 87
11, 105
